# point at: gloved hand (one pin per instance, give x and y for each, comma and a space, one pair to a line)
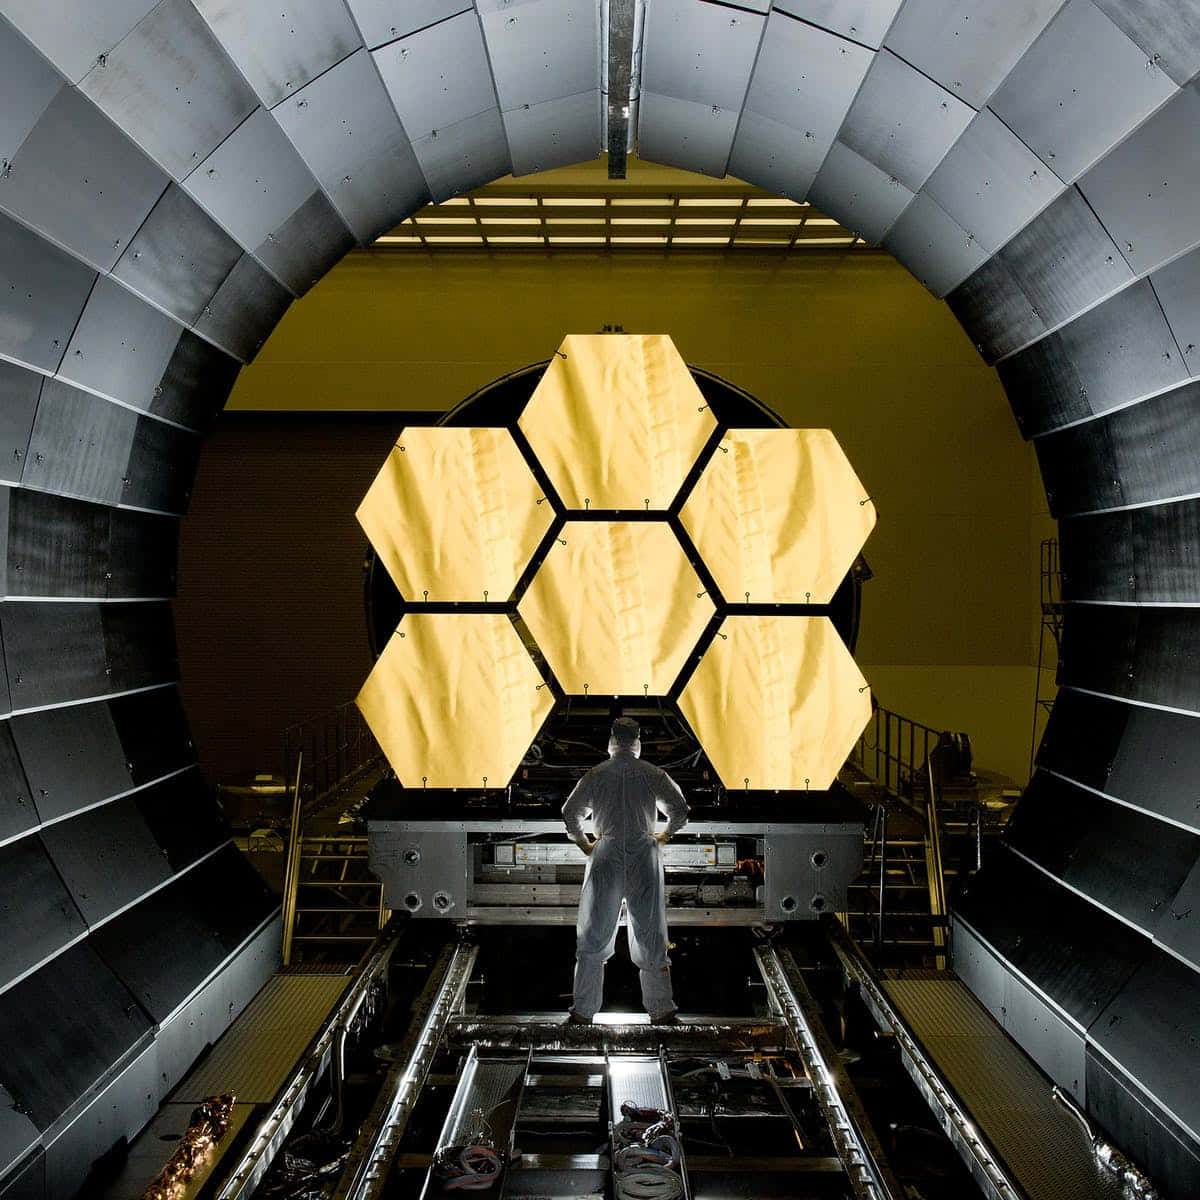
662, 838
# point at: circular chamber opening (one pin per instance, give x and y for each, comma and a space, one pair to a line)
818, 858
817, 903
788, 903
412, 902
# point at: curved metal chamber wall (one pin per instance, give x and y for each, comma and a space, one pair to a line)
173, 173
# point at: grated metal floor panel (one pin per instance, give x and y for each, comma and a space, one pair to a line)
258, 1050
1007, 1095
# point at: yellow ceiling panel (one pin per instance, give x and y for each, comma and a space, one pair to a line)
617, 421
454, 700
778, 516
616, 608
454, 514
776, 702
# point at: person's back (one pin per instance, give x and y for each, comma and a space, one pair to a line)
623, 797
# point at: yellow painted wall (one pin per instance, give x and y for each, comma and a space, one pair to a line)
842, 339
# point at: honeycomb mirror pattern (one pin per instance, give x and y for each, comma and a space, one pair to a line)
616, 542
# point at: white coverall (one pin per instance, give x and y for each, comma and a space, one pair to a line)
623, 796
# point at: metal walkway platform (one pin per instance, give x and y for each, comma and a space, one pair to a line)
1042, 1145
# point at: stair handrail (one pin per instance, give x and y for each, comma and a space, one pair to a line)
336, 747
291, 882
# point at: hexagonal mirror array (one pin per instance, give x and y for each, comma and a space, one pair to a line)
615, 606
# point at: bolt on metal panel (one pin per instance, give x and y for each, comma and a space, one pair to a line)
179, 257
39, 918
161, 468
170, 86
30, 85
306, 245
1162, 537
541, 50
155, 738
253, 181
1144, 190
804, 79
858, 194
195, 384
1079, 89
246, 307
903, 122
464, 156
698, 52
179, 813
968, 46
19, 391
121, 346
439, 76
991, 183
384, 21
106, 858
1064, 260
346, 130
1042, 1032
279, 52
18, 810
144, 555
1166, 31
864, 21
79, 180
80, 444
75, 671
555, 133
74, 43
1177, 926
679, 133
18, 1134
1177, 287
996, 314
933, 246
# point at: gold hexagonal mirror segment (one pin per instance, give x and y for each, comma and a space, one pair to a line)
617, 421
454, 700
616, 608
777, 703
778, 516
454, 514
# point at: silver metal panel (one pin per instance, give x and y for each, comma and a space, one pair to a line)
439, 76
777, 157
346, 130
30, 83
1178, 925
976, 965
554, 134
858, 193
42, 292
996, 314
121, 346
933, 246
541, 49
384, 20
306, 245
80, 181
464, 156
1081, 87
903, 122
1144, 191
1177, 286
968, 46
18, 1134
1064, 259
245, 309
119, 1111
865, 21
279, 49
804, 79
1045, 1036
1167, 31
73, 43
425, 874
253, 181
179, 257
80, 444
699, 52
679, 133
991, 182
19, 391
806, 875
172, 88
